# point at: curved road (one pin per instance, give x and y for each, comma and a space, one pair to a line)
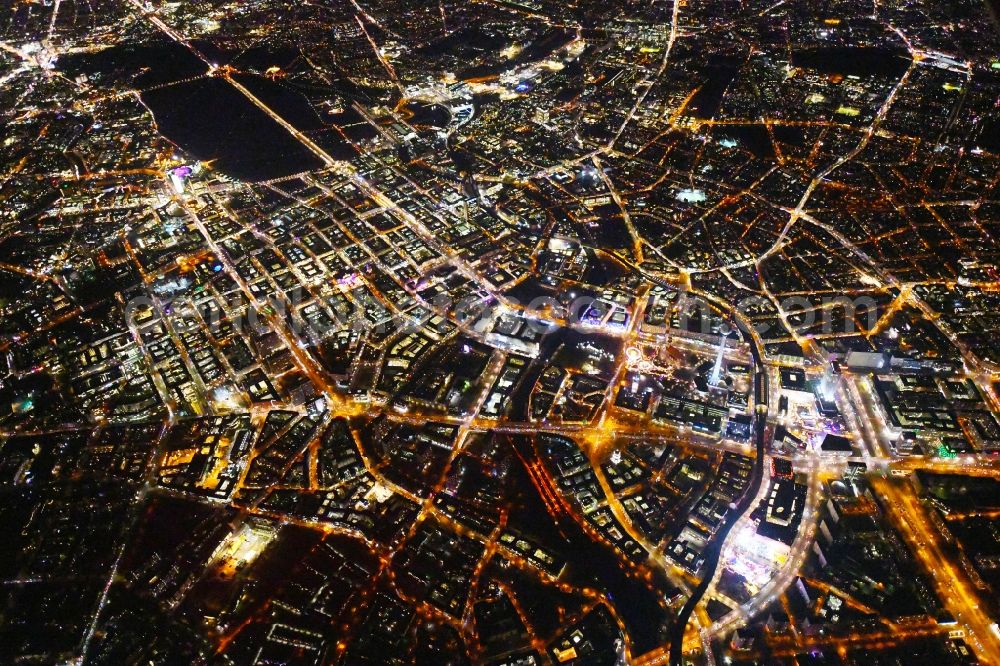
714, 549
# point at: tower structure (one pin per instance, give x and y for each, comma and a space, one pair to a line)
716, 377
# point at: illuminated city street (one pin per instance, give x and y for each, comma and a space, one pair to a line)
500, 332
